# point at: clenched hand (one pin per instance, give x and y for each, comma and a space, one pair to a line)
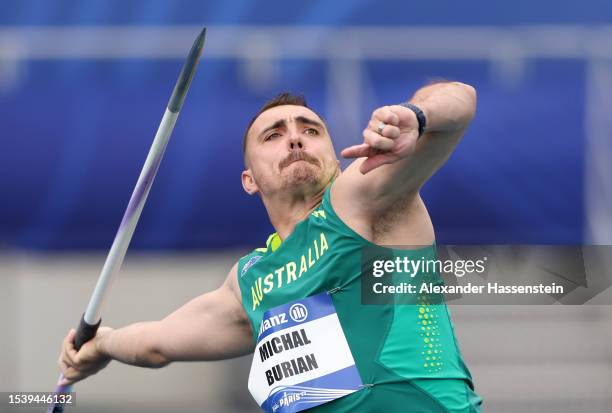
87, 361
390, 136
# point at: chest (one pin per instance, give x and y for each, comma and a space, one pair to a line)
297, 268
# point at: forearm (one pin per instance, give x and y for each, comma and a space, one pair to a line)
448, 106
132, 345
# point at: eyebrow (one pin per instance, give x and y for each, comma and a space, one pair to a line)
301, 119
308, 121
275, 125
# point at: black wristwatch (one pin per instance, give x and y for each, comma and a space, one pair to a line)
419, 114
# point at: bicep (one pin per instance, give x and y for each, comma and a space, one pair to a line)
212, 326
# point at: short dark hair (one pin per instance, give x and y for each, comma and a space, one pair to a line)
285, 98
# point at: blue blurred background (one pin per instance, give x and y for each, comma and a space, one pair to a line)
83, 86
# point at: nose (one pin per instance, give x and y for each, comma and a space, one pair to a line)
296, 142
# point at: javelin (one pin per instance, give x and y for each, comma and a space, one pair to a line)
91, 319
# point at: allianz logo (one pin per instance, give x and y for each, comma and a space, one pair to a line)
273, 321
298, 313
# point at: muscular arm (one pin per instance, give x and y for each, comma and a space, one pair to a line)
212, 326
392, 167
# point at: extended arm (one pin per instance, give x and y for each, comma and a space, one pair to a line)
210, 327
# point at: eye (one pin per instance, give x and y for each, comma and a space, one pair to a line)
271, 136
311, 131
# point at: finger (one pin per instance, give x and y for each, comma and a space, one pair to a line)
72, 379
356, 151
85, 354
386, 115
375, 141
388, 131
374, 162
69, 339
68, 362
71, 375
70, 353
391, 132
63, 366
68, 350
405, 115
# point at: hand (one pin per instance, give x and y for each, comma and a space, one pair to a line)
87, 361
396, 140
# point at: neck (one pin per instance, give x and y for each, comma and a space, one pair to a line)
287, 209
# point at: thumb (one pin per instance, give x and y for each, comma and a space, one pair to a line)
374, 162
356, 151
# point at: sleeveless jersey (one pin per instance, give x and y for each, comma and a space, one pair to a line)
406, 355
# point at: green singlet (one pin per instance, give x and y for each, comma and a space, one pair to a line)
407, 355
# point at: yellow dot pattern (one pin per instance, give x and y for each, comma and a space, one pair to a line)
430, 335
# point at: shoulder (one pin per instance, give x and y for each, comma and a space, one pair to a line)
231, 281
247, 261
346, 198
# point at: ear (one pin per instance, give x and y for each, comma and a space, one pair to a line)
248, 182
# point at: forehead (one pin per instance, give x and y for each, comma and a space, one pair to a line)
288, 113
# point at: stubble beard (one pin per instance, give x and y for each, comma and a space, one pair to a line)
301, 174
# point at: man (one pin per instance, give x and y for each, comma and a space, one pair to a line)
391, 358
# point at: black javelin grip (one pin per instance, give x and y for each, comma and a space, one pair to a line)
85, 332
182, 84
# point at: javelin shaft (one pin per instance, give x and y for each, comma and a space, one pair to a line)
122, 240
143, 185
91, 319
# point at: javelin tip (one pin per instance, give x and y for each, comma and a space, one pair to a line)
184, 80
201, 37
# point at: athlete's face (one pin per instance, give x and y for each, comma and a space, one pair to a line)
288, 148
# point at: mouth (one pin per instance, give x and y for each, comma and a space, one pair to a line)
295, 161
297, 156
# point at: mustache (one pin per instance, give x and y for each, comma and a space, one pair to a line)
298, 155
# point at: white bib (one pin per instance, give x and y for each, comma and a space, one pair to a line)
302, 358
